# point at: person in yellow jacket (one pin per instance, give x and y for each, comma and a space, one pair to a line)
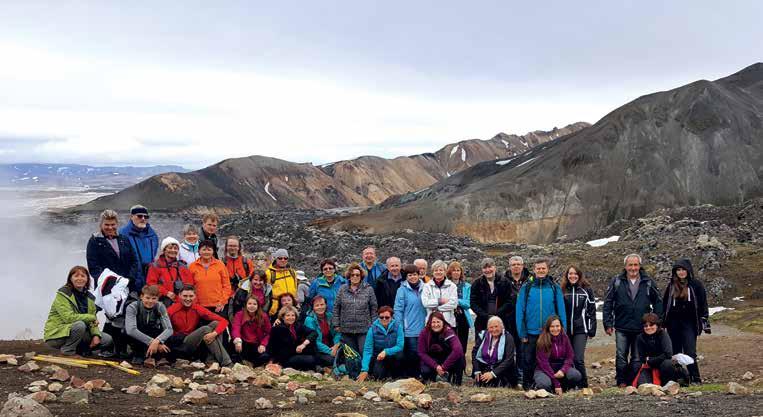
282, 277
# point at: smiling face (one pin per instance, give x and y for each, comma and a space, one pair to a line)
79, 280
572, 276
257, 281
289, 318
282, 261
140, 220
231, 247
286, 300
494, 328
422, 266
438, 274
393, 264
632, 267
413, 278
252, 305
355, 276
205, 253
516, 267
187, 297
682, 273
149, 301
369, 256
556, 328
541, 270
109, 228
191, 237
210, 227
650, 328
437, 325
488, 271
456, 274
319, 306
171, 251
328, 270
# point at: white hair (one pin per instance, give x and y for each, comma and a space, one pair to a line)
518, 259
632, 255
495, 319
439, 264
420, 260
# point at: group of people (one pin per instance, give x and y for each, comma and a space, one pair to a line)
197, 300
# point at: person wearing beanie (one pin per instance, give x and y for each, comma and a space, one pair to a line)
169, 272
282, 277
144, 242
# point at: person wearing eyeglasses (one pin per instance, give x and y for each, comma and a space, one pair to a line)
654, 352
383, 349
144, 242
327, 283
354, 308
282, 277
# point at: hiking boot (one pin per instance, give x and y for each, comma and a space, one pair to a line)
162, 362
137, 360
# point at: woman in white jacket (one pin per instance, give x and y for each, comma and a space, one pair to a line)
440, 294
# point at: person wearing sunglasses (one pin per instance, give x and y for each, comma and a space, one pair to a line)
383, 348
327, 283
144, 242
282, 277
652, 361
354, 308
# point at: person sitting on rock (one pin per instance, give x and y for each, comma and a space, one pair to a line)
372, 268
186, 317
654, 352
149, 326
254, 286
388, 282
169, 272
580, 305
239, 268
493, 362
686, 313
410, 312
209, 223
251, 332
328, 341
213, 289
144, 242
72, 325
555, 359
383, 349
440, 351
107, 249
354, 308
189, 247
282, 277
423, 266
291, 344
327, 284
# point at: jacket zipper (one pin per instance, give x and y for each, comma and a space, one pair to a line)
572, 312
540, 286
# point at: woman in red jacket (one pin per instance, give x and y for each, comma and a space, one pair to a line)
251, 332
168, 272
440, 351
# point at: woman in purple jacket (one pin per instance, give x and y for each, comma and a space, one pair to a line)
440, 351
554, 355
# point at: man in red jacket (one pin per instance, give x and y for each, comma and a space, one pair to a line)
186, 316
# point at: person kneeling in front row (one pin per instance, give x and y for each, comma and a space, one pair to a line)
493, 356
149, 326
383, 348
554, 359
186, 316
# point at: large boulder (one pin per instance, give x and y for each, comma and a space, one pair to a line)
409, 386
24, 407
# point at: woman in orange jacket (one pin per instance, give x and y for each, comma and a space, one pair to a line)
212, 282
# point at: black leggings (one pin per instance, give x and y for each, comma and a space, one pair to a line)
250, 353
683, 337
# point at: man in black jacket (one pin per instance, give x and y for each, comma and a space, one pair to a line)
388, 283
492, 296
108, 249
630, 295
209, 230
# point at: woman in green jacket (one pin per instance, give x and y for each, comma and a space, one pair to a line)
72, 325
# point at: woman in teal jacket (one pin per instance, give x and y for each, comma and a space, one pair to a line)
464, 320
383, 350
72, 325
319, 320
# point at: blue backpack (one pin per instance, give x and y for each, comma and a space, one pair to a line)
347, 362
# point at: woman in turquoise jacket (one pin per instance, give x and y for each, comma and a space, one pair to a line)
464, 320
383, 350
319, 320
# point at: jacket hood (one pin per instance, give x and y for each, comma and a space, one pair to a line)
685, 264
67, 291
132, 229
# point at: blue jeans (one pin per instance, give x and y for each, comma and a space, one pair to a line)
411, 362
625, 345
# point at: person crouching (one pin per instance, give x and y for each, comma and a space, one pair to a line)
186, 316
149, 327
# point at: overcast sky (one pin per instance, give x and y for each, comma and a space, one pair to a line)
192, 83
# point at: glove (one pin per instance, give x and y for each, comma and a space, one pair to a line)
706, 326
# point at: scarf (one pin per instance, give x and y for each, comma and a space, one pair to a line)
489, 356
191, 247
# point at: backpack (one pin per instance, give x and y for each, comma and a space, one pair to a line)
235, 279
346, 362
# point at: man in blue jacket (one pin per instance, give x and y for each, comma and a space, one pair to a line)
539, 298
411, 313
144, 242
373, 268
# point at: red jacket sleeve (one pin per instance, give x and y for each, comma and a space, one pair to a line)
210, 316
152, 278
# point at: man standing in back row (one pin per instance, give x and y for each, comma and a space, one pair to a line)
144, 242
373, 269
209, 230
630, 295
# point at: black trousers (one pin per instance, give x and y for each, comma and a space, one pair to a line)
508, 379
121, 340
390, 367
528, 356
250, 353
683, 337
455, 373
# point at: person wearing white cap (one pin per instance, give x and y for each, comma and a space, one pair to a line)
282, 277
169, 272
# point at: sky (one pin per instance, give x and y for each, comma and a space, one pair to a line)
195, 82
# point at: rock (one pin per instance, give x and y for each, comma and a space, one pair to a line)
419, 414
409, 386
225, 370
215, 367
274, 369
630, 390
290, 371
439, 385
12, 361
42, 397
304, 392
349, 394
61, 375
301, 399
283, 378
406, 404
370, 395
160, 380
648, 389
34, 388
195, 397
349, 415
262, 403
597, 390
182, 363
75, 396
596, 365
694, 394
424, 401
198, 375
748, 376
541, 393
736, 389
24, 407
149, 363
55, 387
40, 383
30, 355
133, 389
453, 397
658, 393
177, 382
96, 384
125, 364
482, 398
155, 391
242, 372
181, 412
30, 366
338, 400
587, 392
76, 382
264, 381
200, 365
292, 386
672, 388
4, 357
